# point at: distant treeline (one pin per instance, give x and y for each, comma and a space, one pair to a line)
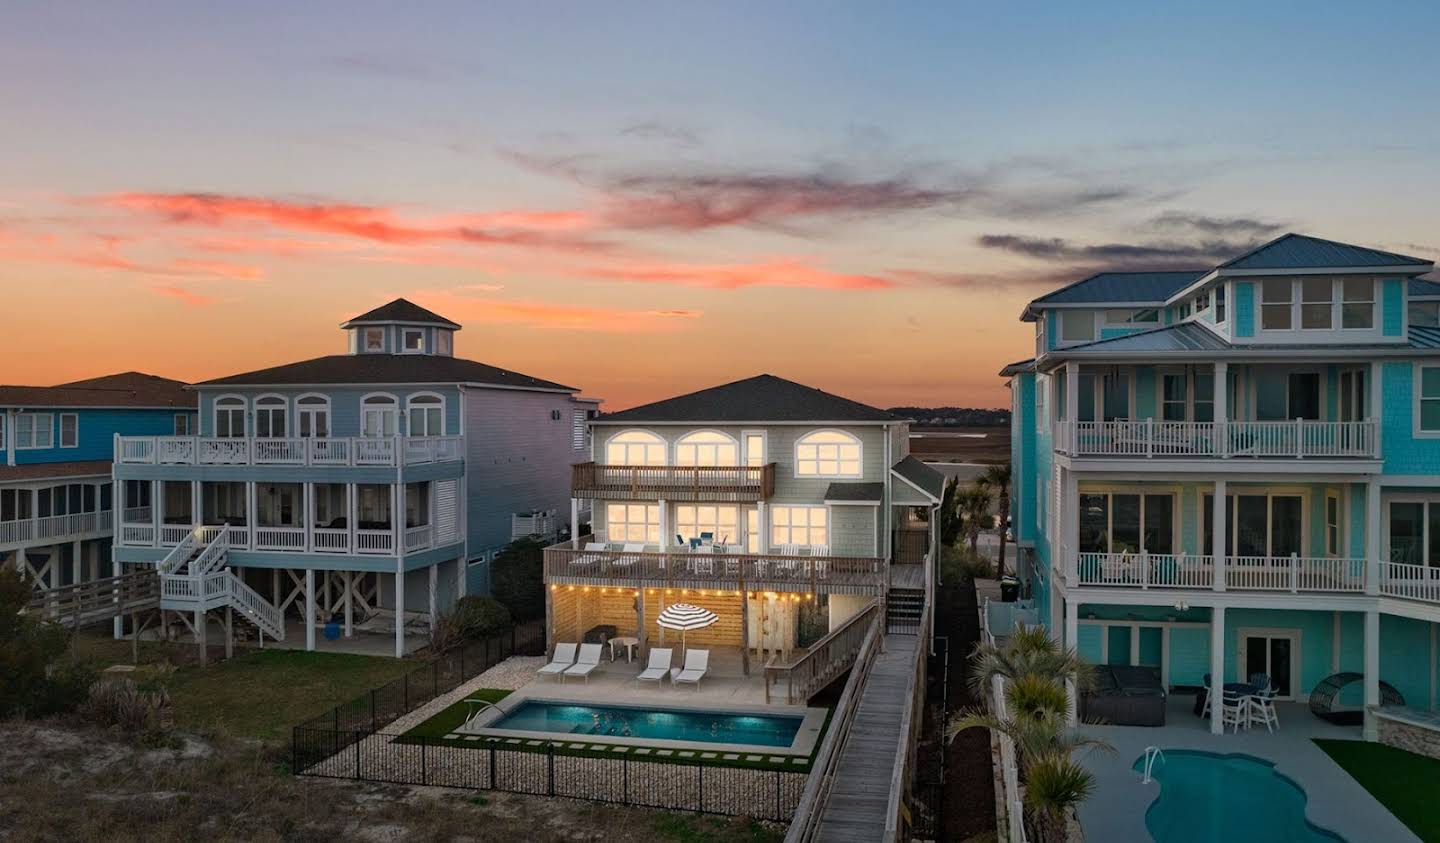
954, 416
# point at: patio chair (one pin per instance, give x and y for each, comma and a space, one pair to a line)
705, 565
1234, 710
594, 552
696, 663
630, 554
1261, 709
1209, 696
564, 657
658, 667
589, 660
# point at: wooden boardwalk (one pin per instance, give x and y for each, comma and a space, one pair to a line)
858, 803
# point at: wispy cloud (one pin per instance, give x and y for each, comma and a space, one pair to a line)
185, 296
1244, 228
670, 133
781, 272
553, 315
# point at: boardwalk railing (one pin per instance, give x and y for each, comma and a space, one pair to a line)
672, 482
338, 451
1299, 438
547, 770
826, 659
912, 719
98, 600
825, 769
686, 569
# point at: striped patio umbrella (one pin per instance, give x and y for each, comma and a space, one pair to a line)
685, 617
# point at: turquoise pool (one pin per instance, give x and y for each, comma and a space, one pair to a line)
661, 724
1210, 798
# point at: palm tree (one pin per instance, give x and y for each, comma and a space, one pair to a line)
974, 506
1055, 783
1028, 650
949, 514
997, 479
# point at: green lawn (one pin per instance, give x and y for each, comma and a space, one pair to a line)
1403, 782
438, 726
262, 694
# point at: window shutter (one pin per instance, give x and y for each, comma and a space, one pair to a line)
447, 494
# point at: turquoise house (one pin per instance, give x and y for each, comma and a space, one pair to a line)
1235, 470
357, 492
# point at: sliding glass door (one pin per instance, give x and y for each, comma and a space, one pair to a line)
1127, 522
1258, 525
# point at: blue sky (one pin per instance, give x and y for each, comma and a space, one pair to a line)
836, 189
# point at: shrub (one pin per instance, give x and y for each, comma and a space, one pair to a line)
36, 678
517, 581
960, 563
470, 617
121, 703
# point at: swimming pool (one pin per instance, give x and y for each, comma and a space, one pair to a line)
623, 721
1208, 798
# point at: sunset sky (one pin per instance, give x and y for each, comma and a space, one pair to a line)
643, 199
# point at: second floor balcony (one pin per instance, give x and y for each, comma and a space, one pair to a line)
744, 483
1151, 438
328, 451
647, 566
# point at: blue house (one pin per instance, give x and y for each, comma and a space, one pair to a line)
363, 490
56, 505
1235, 470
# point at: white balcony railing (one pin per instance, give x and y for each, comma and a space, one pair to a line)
1297, 439
55, 527
418, 538
280, 538
331, 540
374, 541
1242, 573
196, 450
1411, 582
292, 539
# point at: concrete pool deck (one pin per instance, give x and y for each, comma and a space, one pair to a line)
1334, 801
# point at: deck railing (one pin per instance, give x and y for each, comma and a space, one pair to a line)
1242, 573
363, 451
381, 542
1411, 582
1150, 438
55, 526
826, 659
672, 482
686, 569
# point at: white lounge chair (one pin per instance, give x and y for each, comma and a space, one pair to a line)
659, 665
630, 554
564, 657
594, 552
589, 660
696, 663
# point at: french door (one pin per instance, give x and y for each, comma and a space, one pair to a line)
1275, 653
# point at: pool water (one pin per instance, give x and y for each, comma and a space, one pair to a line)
662, 724
1209, 798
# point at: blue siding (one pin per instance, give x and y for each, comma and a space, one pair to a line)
1244, 306
96, 433
1402, 452
1052, 329
1087, 642
1392, 306
344, 406
1189, 655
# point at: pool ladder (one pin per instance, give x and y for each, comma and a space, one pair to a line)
1151, 753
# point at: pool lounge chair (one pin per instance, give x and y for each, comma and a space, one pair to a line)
696, 663
594, 552
630, 554
659, 666
589, 660
564, 657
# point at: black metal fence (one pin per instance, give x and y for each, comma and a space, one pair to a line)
544, 771
379, 707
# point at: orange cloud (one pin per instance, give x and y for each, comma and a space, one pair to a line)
783, 272
186, 296
542, 314
220, 269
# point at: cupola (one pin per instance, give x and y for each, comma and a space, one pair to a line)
401, 327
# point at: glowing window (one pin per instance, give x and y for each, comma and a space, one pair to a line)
827, 453
635, 447
706, 447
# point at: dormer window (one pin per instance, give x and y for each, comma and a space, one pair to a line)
374, 339
444, 343
1357, 306
413, 340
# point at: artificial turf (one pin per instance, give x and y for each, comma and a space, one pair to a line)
1405, 783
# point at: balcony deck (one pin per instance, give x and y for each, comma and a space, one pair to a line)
351, 451
1148, 438
56, 528
318, 540
721, 484
565, 565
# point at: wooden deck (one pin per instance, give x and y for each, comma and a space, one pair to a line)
907, 576
98, 600
565, 565
858, 805
711, 484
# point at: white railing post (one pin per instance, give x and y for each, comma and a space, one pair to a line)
1149, 437
1299, 439
1294, 572
1144, 569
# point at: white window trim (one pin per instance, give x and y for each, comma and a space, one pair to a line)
188, 423
1094, 327
764, 444
1252, 387
664, 444
60, 430
799, 440
364, 341
395, 407
658, 524
215, 409
1337, 307
405, 333
1425, 304
1232, 525
310, 409
34, 428
1297, 664
1427, 501
1110, 490
1416, 382
444, 342
1157, 322
735, 443
829, 525
410, 404
257, 409
1335, 552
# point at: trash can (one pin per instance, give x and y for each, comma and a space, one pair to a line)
1009, 590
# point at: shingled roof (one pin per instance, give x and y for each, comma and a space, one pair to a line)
125, 389
763, 398
401, 310
387, 369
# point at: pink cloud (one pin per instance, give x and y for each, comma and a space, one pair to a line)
185, 296
780, 272
553, 315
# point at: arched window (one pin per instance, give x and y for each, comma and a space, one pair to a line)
635, 447
230, 417
707, 447
427, 415
827, 453
270, 413
313, 416
377, 415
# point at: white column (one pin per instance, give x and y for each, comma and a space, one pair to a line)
1165, 657
1375, 400
1372, 670
460, 565
1217, 669
349, 604
1372, 536
1222, 409
760, 524
352, 510
1135, 644
1070, 526
307, 506
399, 608
195, 510
664, 525
117, 626
252, 514
1219, 531
157, 500
309, 608
575, 523
1072, 632
434, 595
75, 563
1072, 393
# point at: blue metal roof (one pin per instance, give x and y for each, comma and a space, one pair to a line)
1297, 251
1424, 288
1150, 287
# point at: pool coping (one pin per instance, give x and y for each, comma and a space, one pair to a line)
812, 722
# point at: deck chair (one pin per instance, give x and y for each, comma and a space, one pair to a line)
696, 663
589, 660
560, 662
594, 552
658, 667
705, 565
629, 552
